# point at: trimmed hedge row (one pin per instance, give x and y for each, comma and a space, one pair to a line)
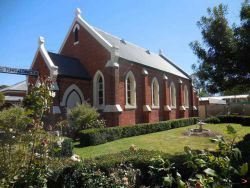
140, 159
99, 136
243, 120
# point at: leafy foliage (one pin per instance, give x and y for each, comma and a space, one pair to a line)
223, 64
84, 117
212, 120
39, 99
243, 145
215, 170
14, 120
1, 99
85, 175
25, 157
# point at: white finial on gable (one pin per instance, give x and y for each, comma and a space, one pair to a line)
41, 40
160, 52
78, 12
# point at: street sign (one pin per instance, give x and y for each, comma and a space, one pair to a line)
10, 70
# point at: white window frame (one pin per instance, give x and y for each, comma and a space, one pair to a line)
74, 29
155, 93
96, 104
186, 97
172, 100
67, 92
130, 76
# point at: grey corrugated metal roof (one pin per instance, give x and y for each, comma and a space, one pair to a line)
20, 86
140, 55
69, 67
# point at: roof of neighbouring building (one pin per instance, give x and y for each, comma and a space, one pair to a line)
13, 98
142, 56
69, 67
18, 87
225, 97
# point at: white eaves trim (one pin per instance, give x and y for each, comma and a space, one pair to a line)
52, 68
90, 29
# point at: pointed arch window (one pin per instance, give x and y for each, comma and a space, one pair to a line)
99, 90
186, 97
76, 33
130, 86
155, 93
172, 95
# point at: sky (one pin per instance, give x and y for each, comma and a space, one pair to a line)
169, 25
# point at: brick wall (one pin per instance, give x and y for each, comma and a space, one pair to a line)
39, 65
137, 115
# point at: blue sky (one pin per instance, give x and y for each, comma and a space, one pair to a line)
152, 24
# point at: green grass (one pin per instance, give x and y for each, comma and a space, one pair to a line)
170, 141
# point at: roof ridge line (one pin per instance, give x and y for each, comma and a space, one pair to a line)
131, 43
173, 64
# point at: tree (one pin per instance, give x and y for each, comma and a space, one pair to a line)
199, 86
3, 86
223, 57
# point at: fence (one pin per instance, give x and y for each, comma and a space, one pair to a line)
208, 110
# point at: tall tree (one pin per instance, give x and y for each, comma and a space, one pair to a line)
223, 57
199, 86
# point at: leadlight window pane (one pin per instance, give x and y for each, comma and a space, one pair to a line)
100, 91
129, 90
76, 35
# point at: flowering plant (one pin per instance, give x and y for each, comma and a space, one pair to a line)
39, 98
25, 157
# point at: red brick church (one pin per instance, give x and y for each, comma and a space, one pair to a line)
126, 83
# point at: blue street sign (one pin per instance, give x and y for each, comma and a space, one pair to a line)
10, 70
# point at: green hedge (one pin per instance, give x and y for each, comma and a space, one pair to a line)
99, 136
243, 120
140, 159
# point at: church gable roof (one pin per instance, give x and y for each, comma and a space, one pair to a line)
128, 50
69, 67
134, 53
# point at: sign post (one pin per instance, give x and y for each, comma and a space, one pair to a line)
10, 70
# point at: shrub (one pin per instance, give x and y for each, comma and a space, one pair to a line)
62, 148
136, 165
14, 119
212, 119
25, 145
102, 135
67, 147
244, 146
88, 175
84, 117
243, 120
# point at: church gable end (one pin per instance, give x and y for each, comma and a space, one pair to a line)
84, 43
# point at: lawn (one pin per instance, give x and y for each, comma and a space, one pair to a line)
170, 141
